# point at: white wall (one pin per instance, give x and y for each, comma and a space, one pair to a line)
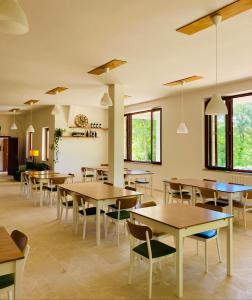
75, 153
183, 155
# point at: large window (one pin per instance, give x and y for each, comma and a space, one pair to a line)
229, 138
142, 136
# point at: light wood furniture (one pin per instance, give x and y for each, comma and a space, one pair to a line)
229, 189
45, 178
245, 205
182, 221
11, 260
98, 194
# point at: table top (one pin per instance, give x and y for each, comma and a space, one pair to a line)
98, 191
8, 249
126, 171
216, 186
180, 215
45, 172
50, 176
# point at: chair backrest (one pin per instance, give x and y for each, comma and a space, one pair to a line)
212, 180
247, 196
206, 193
20, 239
104, 165
148, 204
100, 172
107, 183
126, 203
130, 188
139, 231
81, 200
58, 180
211, 207
175, 186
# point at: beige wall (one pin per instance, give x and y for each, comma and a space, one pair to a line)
183, 155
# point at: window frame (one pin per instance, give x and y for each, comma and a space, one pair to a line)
229, 136
129, 136
29, 144
45, 151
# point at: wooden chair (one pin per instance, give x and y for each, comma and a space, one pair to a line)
101, 175
245, 205
208, 196
176, 193
122, 214
112, 207
208, 235
25, 184
87, 174
86, 213
51, 189
143, 182
66, 202
7, 281
149, 250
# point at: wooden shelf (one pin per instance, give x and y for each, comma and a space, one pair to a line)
83, 137
87, 128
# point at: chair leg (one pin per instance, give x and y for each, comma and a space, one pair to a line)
66, 216
61, 212
218, 249
10, 295
245, 219
105, 225
150, 280
197, 247
117, 232
206, 257
84, 228
77, 224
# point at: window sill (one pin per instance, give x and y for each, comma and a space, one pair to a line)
231, 172
142, 163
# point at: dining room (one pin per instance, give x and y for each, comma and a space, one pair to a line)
127, 153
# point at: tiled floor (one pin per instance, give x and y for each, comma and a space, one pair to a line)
63, 266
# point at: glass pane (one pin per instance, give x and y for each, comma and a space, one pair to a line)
125, 137
242, 133
156, 137
141, 137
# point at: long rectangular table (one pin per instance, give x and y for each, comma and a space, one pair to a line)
99, 194
10, 260
229, 189
182, 221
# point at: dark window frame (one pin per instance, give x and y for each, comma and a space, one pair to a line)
129, 136
229, 137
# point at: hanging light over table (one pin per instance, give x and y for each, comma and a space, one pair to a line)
182, 128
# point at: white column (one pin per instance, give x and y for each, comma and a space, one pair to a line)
116, 135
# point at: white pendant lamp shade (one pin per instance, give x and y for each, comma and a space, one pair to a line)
56, 110
182, 128
30, 129
14, 126
216, 106
106, 100
12, 18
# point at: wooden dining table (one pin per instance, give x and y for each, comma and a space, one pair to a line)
182, 221
229, 189
99, 195
11, 260
44, 178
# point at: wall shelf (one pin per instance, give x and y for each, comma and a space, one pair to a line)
83, 137
88, 128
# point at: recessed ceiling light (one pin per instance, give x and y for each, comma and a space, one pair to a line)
115, 63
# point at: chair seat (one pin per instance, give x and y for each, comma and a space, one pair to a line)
142, 181
88, 175
124, 214
158, 249
103, 178
6, 280
218, 203
241, 204
70, 203
207, 234
90, 211
51, 189
184, 196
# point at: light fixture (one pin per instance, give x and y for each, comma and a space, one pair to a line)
182, 128
55, 91
34, 153
12, 18
107, 67
30, 127
14, 125
216, 105
106, 100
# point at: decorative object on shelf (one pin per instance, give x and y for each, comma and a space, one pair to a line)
12, 18
57, 136
216, 106
87, 133
81, 121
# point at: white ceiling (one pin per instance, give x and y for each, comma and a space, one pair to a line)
67, 38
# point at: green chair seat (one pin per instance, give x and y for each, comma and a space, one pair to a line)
88, 175
90, 211
6, 280
70, 203
158, 249
124, 214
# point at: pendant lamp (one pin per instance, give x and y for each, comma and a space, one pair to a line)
216, 105
106, 100
12, 18
14, 125
182, 128
30, 127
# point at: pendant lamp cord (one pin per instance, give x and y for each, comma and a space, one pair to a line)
216, 56
182, 101
31, 113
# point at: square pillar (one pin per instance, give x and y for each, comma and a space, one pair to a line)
116, 135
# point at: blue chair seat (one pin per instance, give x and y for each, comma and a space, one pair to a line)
158, 249
207, 234
6, 280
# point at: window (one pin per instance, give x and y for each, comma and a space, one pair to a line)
229, 138
45, 143
142, 136
29, 143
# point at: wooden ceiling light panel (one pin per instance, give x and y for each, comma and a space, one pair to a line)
228, 11
185, 80
115, 63
32, 101
14, 110
56, 90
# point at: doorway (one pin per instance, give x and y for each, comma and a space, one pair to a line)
4, 151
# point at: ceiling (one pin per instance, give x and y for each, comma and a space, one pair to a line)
68, 38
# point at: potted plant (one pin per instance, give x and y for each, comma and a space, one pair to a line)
57, 136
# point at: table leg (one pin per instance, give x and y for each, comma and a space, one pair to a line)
179, 264
230, 247
41, 192
151, 183
193, 195
230, 203
18, 275
58, 203
98, 223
